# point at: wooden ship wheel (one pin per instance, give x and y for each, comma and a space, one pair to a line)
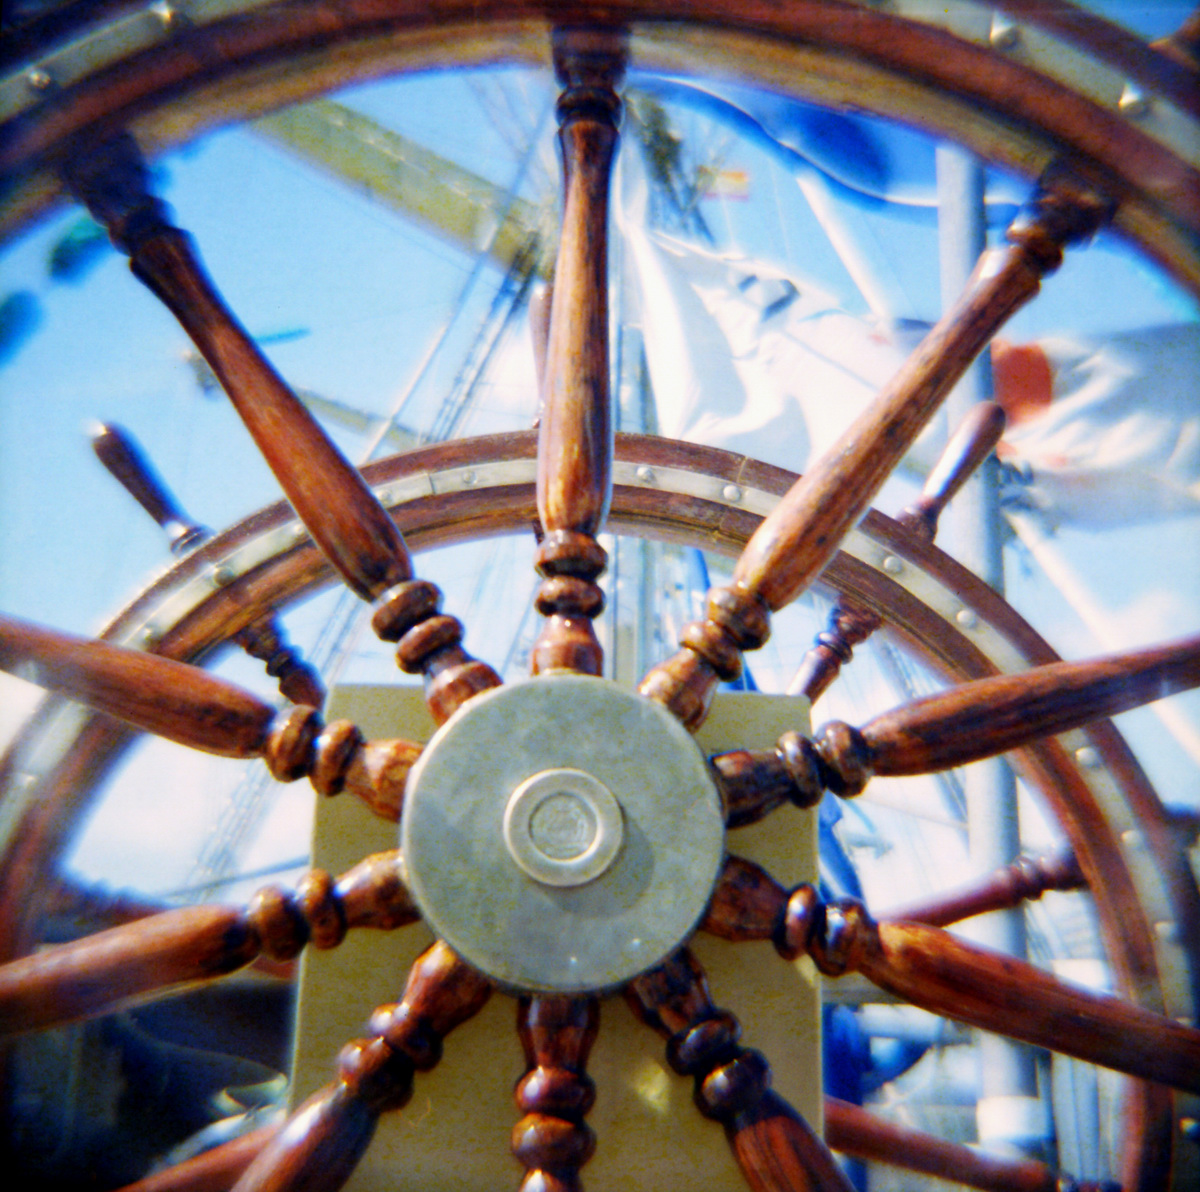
562, 837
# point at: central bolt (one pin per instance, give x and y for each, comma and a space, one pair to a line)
563, 827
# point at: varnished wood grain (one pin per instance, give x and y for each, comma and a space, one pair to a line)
352, 529
972, 442
327, 492
157, 955
991, 716
429, 643
324, 1139
298, 682
1025, 879
575, 430
182, 703
264, 640
188, 705
963, 724
801, 535
856, 1131
121, 966
215, 1170
552, 1140
774, 1147
124, 459
851, 623
939, 972
575, 434
942, 974
849, 1129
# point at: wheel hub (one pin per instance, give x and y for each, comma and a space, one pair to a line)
562, 834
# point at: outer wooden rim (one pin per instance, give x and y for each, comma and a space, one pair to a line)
1097, 822
842, 51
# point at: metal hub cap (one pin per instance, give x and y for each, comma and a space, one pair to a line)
563, 827
562, 834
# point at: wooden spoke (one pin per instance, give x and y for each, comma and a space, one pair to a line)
937, 971
127, 463
854, 1131
971, 443
298, 682
341, 513
328, 493
800, 536
160, 954
774, 1147
851, 623
575, 436
964, 724
429, 643
125, 460
1026, 879
322, 1142
744, 905
191, 707
555, 1094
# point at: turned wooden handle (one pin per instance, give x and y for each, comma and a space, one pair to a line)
803, 532
322, 1142
778, 1151
851, 623
990, 716
575, 434
793, 545
188, 705
1027, 878
774, 1148
943, 974
856, 1131
939, 972
329, 494
121, 966
319, 1147
551, 1140
126, 462
964, 724
575, 430
180, 702
971, 443
153, 956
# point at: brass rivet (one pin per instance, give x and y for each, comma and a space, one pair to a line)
1003, 35
1134, 102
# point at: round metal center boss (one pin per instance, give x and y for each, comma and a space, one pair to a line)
562, 834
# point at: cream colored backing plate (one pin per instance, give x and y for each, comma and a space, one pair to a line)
453, 1135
